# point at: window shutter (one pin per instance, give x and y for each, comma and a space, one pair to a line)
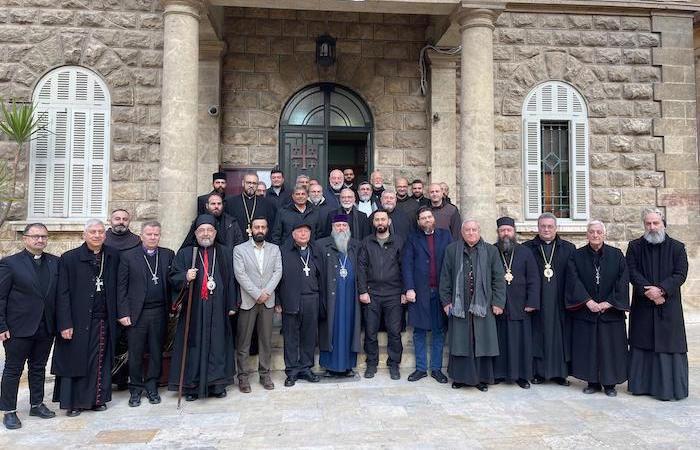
70, 159
579, 172
533, 174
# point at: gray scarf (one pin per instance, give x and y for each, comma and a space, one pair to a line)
478, 303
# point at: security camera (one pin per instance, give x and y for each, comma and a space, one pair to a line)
213, 110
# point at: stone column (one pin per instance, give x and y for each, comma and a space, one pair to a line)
478, 178
178, 130
209, 133
443, 130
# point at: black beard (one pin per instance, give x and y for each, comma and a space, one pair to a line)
382, 229
506, 245
220, 190
259, 237
120, 229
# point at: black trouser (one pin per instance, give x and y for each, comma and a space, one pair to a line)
146, 336
388, 307
300, 332
18, 350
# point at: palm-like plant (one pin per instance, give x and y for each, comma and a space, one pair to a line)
19, 122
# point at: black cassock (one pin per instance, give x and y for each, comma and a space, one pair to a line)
515, 325
551, 325
210, 363
658, 346
83, 364
598, 340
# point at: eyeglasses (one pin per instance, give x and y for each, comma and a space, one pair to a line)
37, 237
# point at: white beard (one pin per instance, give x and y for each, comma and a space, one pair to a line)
341, 240
655, 237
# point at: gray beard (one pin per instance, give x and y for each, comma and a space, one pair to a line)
364, 199
655, 237
341, 240
120, 229
205, 242
315, 201
506, 245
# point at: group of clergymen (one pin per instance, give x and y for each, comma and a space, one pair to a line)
332, 262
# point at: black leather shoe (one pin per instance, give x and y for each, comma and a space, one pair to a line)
290, 381
73, 412
394, 373
370, 371
11, 421
592, 388
439, 376
310, 377
221, 394
191, 397
42, 411
135, 399
483, 387
561, 381
349, 373
499, 380
537, 379
417, 375
611, 391
456, 385
99, 408
523, 383
153, 398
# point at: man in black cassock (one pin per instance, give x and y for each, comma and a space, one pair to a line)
473, 293
27, 322
357, 220
658, 266
551, 325
247, 206
598, 299
143, 284
228, 230
300, 299
218, 184
514, 362
210, 366
119, 235
86, 316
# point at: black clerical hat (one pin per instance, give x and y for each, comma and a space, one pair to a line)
218, 176
505, 220
302, 225
205, 219
340, 218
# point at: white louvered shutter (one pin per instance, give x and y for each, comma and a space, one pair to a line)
579, 169
533, 174
70, 159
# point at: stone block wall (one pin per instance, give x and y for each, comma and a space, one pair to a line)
638, 78
121, 41
271, 56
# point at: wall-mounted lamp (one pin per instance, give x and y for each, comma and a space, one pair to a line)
325, 50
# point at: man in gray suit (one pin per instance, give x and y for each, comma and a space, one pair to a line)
258, 268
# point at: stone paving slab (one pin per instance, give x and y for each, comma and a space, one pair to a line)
381, 413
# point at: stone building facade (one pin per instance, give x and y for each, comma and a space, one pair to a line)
166, 62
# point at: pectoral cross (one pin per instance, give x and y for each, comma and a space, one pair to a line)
307, 271
98, 284
597, 275
249, 232
154, 278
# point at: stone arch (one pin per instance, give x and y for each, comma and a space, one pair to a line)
74, 48
547, 66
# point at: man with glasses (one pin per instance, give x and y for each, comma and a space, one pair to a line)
27, 322
245, 207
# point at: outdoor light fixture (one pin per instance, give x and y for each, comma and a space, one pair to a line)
325, 50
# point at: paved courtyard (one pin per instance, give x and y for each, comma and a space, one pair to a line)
382, 413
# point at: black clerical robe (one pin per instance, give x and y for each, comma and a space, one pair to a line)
123, 241
83, 364
245, 209
551, 325
658, 345
598, 340
210, 363
515, 325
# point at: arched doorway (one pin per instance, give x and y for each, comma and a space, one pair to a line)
324, 127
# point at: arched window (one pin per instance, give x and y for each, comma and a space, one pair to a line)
555, 152
69, 159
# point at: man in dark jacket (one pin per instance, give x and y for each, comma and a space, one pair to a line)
143, 283
86, 316
401, 224
277, 194
300, 211
228, 230
339, 338
300, 297
218, 184
380, 285
357, 220
446, 214
514, 362
320, 203
421, 265
405, 201
27, 321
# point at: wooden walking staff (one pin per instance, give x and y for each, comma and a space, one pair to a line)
187, 330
